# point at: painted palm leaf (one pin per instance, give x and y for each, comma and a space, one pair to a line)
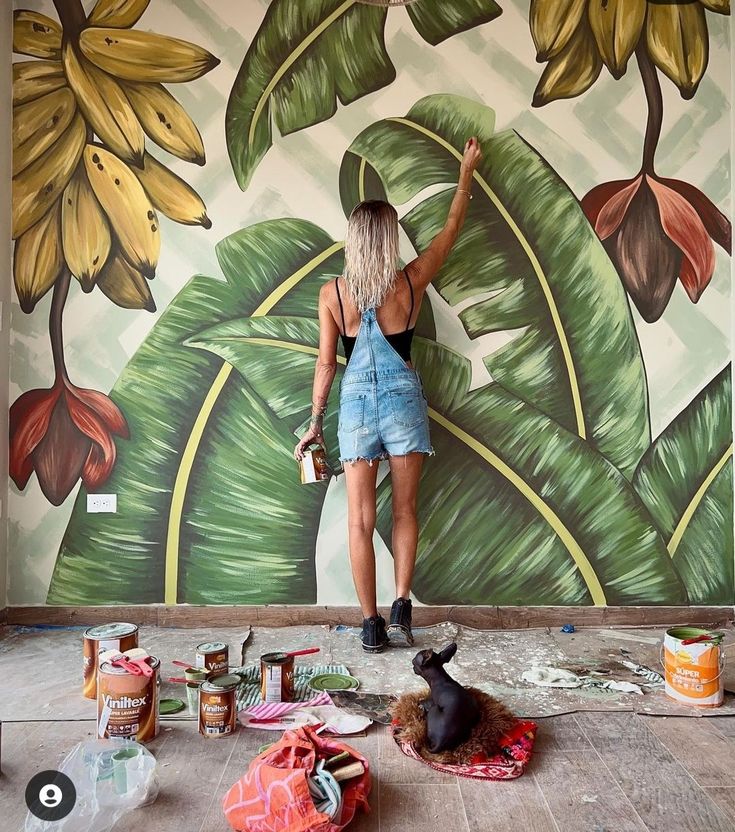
306, 56
685, 480
197, 521
514, 509
529, 260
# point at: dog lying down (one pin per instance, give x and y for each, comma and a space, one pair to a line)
454, 724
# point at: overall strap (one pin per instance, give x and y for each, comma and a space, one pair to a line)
410, 314
342, 311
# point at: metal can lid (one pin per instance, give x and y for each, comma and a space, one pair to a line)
211, 646
170, 706
275, 658
225, 681
117, 629
211, 687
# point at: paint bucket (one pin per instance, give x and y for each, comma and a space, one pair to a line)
276, 677
213, 656
117, 636
313, 466
693, 673
217, 709
127, 705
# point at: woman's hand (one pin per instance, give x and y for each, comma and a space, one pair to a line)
472, 155
314, 435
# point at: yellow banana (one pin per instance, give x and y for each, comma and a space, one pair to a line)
678, 43
85, 233
37, 187
616, 25
105, 106
38, 124
117, 13
572, 71
553, 22
35, 34
32, 79
145, 56
171, 195
38, 259
129, 211
125, 286
719, 6
165, 121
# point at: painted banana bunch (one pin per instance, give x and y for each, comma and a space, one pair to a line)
85, 191
575, 38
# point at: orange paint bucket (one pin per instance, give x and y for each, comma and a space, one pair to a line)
693, 666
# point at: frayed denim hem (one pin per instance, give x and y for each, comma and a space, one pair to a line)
385, 455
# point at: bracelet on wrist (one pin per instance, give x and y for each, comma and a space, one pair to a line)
464, 191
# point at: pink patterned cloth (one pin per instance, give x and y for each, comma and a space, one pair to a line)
510, 762
275, 710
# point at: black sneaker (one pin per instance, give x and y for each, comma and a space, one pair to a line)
399, 629
374, 638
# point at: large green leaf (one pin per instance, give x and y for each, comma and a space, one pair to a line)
529, 260
197, 520
513, 509
306, 55
685, 480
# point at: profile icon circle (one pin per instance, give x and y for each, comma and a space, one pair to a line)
50, 795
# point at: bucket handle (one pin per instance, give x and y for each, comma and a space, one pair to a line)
662, 662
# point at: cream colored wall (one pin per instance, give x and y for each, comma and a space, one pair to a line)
6, 17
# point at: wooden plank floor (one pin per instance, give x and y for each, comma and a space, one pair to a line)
592, 772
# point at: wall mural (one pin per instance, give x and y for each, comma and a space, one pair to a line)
547, 486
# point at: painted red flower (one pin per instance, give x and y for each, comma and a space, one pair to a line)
62, 434
657, 230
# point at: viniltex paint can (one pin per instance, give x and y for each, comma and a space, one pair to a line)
313, 467
276, 677
127, 705
217, 709
118, 636
214, 657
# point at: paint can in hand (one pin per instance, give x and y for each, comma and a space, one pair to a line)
314, 466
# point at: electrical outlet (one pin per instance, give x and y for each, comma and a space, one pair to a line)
99, 503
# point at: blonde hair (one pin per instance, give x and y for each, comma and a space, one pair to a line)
371, 253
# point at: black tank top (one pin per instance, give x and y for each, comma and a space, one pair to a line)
400, 341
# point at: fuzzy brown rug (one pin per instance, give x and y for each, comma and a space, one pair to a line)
496, 720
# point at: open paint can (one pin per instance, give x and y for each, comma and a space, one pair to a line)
276, 677
127, 705
117, 636
214, 657
693, 666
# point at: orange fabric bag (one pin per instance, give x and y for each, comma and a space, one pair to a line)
273, 796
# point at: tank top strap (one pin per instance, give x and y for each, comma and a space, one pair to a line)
341, 308
410, 287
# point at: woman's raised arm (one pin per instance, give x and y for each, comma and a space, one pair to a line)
426, 266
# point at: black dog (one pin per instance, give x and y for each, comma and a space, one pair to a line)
451, 711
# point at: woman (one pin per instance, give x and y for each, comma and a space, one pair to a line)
382, 412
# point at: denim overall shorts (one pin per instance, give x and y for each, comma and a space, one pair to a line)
382, 408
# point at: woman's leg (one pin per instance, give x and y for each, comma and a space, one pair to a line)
405, 474
361, 478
